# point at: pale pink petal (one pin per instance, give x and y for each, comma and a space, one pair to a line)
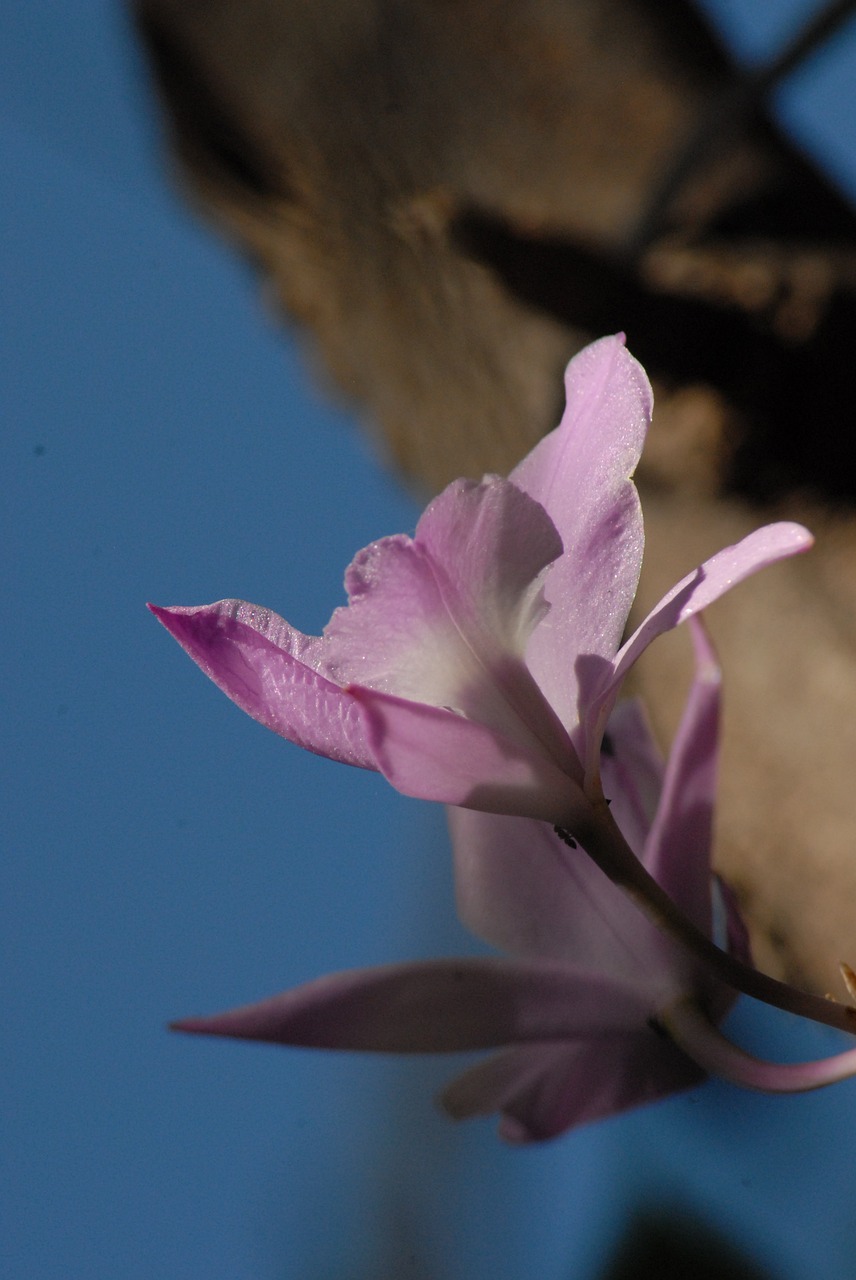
511, 885
433, 754
712, 579
542, 1090
429, 617
435, 1006
262, 664
493, 542
397, 634
581, 474
632, 772
701, 588
696, 1035
678, 850
522, 890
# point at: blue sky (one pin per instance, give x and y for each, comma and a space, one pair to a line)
162, 855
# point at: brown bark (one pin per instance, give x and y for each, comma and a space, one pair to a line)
449, 196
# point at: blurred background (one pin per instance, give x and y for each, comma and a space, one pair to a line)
163, 855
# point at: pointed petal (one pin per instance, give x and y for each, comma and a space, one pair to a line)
581, 475
255, 658
678, 850
544, 1090
433, 754
766, 546
434, 1006
520, 889
693, 593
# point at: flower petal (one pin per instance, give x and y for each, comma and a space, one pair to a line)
632, 772
542, 1090
693, 593
493, 542
697, 1036
678, 849
428, 614
520, 889
433, 754
435, 1006
443, 619
254, 656
581, 474
511, 886
493, 1084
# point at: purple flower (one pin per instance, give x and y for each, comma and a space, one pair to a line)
595, 1009
574, 1007
477, 663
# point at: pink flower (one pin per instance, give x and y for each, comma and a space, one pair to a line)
595, 1010
477, 663
574, 1007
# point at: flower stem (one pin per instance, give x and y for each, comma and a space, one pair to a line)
700, 1040
605, 845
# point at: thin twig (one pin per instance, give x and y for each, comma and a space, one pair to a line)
726, 115
605, 845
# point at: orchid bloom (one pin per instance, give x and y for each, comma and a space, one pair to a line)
591, 1005
478, 664
572, 1007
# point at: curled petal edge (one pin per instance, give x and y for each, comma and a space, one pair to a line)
241, 649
